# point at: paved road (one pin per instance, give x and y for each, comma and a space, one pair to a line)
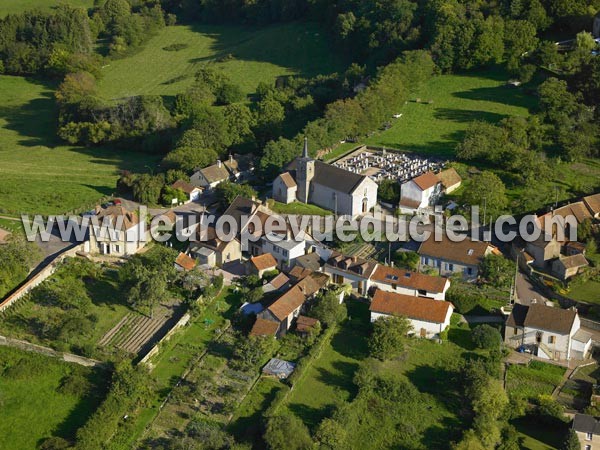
526, 291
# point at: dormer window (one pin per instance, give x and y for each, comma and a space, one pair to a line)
470, 252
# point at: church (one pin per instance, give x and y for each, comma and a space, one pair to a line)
310, 181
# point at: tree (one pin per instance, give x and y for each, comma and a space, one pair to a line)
16, 258
572, 441
328, 308
190, 158
486, 336
486, 189
228, 93
519, 38
388, 337
510, 439
147, 188
331, 434
389, 191
497, 270
212, 129
287, 431
407, 260
269, 118
549, 410
250, 350
227, 191
276, 155
240, 122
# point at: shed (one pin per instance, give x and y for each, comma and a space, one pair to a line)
279, 368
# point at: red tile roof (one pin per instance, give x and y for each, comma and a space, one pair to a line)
264, 327
427, 180
186, 262
184, 186
262, 262
593, 203
419, 308
279, 280
413, 280
287, 303
304, 324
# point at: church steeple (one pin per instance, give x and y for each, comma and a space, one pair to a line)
305, 172
305, 151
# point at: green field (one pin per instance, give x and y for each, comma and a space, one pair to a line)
458, 100
299, 208
247, 55
38, 173
33, 407
328, 381
17, 6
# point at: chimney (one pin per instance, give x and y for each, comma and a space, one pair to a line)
230, 157
355, 258
219, 164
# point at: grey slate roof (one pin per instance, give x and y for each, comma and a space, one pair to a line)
279, 368
586, 424
333, 177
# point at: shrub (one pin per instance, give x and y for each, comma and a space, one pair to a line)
486, 336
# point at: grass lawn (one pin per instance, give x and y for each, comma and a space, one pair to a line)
328, 381
17, 6
436, 128
586, 292
247, 55
38, 173
24, 320
535, 436
535, 379
33, 406
299, 208
246, 423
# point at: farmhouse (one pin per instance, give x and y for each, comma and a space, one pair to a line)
193, 192
405, 282
420, 193
566, 267
260, 264
449, 257
593, 204
325, 185
119, 232
428, 317
287, 308
350, 270
548, 332
211, 176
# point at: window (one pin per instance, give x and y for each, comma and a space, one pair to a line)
394, 286
451, 267
551, 339
588, 447
469, 271
117, 249
516, 331
422, 292
588, 437
285, 253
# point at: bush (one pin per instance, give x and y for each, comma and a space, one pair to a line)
549, 410
486, 336
462, 301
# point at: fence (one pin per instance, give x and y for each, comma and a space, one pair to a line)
39, 277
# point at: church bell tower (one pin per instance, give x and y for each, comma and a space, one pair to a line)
305, 173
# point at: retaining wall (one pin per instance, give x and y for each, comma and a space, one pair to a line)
39, 277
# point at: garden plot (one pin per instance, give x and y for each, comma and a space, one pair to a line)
212, 390
577, 390
135, 331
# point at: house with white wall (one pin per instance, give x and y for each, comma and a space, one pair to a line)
428, 317
116, 232
448, 257
285, 248
402, 281
193, 192
420, 193
548, 332
350, 270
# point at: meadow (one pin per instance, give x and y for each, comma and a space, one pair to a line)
38, 172
246, 55
17, 6
456, 100
34, 406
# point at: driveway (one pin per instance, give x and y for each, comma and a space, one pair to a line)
526, 291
